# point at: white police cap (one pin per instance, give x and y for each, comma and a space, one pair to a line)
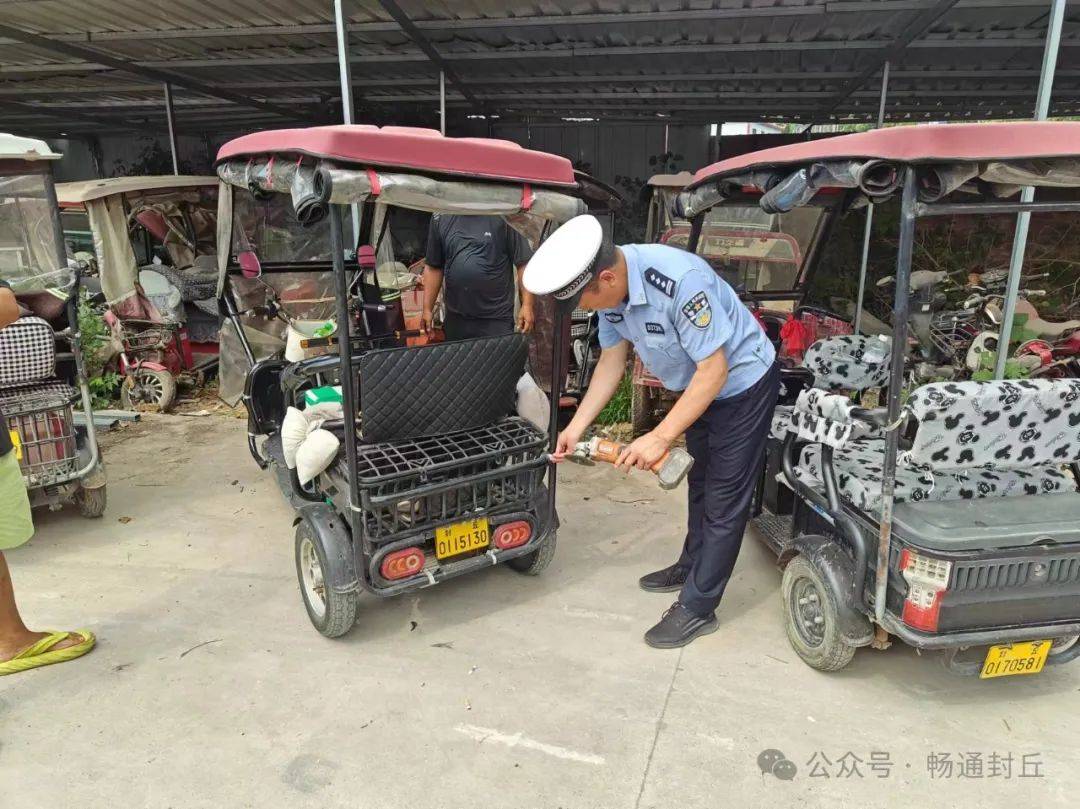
565, 262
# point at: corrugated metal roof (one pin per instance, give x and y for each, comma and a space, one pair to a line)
683, 60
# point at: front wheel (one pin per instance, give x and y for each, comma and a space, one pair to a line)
151, 387
333, 613
811, 617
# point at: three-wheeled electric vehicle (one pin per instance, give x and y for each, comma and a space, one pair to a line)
155, 242
432, 475
949, 519
42, 375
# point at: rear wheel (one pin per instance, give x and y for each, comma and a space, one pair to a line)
146, 386
533, 564
643, 401
331, 612
91, 502
810, 617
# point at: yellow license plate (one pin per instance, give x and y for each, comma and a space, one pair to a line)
461, 537
17, 443
1015, 658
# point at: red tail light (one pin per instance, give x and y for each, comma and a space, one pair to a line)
402, 564
512, 534
927, 579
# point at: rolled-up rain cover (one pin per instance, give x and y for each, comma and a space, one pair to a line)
936, 182
310, 199
1057, 173
875, 178
689, 204
338, 185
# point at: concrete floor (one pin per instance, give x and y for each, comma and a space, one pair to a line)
209, 688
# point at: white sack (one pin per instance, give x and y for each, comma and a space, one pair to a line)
294, 429
532, 402
315, 454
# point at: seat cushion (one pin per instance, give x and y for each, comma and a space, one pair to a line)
859, 473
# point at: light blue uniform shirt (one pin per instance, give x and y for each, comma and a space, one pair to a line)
678, 313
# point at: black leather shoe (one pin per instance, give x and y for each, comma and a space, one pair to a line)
679, 626
667, 580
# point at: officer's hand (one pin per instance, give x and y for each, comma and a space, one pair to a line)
565, 443
643, 453
426, 321
526, 319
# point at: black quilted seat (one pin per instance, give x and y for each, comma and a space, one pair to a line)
440, 388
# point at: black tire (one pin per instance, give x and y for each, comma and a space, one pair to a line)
92, 502
533, 564
335, 613
642, 409
154, 388
812, 627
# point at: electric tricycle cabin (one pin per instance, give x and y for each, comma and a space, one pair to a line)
770, 259
406, 464
43, 380
154, 241
950, 518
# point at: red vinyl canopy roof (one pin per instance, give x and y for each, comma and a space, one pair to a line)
948, 143
409, 148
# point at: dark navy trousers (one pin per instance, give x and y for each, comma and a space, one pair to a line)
727, 443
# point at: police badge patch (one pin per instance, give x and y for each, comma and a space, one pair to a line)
698, 311
613, 317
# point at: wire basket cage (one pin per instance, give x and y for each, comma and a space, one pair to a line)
952, 332
40, 417
414, 485
138, 338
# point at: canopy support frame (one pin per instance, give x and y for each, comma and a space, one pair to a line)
1023, 219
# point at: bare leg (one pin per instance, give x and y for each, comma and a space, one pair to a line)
14, 636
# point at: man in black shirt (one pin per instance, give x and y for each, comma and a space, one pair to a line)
21, 649
477, 261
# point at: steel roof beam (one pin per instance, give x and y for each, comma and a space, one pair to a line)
91, 55
567, 54
894, 53
82, 88
422, 42
537, 21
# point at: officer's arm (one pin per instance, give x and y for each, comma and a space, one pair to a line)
707, 382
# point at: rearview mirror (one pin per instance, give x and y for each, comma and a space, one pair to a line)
249, 265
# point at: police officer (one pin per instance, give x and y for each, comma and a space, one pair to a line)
692, 331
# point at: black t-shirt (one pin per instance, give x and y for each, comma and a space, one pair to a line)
477, 255
5, 436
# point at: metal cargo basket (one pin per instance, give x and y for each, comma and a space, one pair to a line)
416, 484
40, 419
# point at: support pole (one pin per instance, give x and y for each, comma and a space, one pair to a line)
170, 119
442, 102
1023, 219
901, 309
341, 29
870, 211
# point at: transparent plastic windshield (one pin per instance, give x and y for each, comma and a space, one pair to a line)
752, 250
267, 226
28, 258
